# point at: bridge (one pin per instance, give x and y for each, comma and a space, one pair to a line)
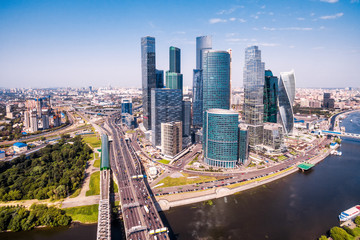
141, 219
342, 134
104, 220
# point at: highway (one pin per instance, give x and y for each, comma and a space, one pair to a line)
141, 219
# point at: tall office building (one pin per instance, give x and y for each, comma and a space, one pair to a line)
286, 100
166, 106
273, 135
197, 98
271, 90
254, 72
221, 138
171, 138
174, 79
243, 143
159, 78
216, 79
33, 121
186, 117
126, 106
26, 119
202, 43
148, 77
174, 60
45, 119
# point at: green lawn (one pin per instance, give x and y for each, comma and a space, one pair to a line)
94, 184
96, 155
282, 158
170, 182
76, 193
164, 161
93, 140
97, 163
84, 214
114, 186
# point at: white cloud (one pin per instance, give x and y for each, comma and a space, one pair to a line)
179, 32
271, 13
268, 44
301, 19
291, 46
329, 1
230, 34
354, 1
232, 19
255, 16
217, 20
288, 29
263, 6
242, 20
321, 27
228, 11
332, 16
234, 40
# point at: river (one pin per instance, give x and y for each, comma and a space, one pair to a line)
299, 206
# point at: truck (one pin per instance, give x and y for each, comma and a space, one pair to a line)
146, 209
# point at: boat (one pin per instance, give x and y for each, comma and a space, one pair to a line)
350, 213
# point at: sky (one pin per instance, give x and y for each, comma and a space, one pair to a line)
97, 43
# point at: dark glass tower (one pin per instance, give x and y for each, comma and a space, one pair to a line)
202, 43
174, 59
159, 78
148, 76
271, 90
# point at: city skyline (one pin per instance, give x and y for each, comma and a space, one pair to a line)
74, 44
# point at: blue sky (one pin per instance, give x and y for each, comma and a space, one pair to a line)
82, 43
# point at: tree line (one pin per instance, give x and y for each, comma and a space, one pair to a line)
53, 172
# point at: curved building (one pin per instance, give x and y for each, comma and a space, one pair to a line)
286, 100
221, 138
216, 79
202, 43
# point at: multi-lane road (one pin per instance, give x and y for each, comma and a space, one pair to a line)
141, 219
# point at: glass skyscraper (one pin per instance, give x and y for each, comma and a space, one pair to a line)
286, 100
202, 43
271, 90
166, 106
221, 137
174, 59
243, 143
186, 117
254, 72
216, 79
159, 78
148, 72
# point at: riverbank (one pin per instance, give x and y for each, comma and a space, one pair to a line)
165, 202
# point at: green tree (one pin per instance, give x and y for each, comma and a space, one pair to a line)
337, 233
357, 220
323, 237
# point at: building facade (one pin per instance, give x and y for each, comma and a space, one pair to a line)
216, 79
286, 100
126, 106
221, 138
243, 144
186, 117
171, 138
174, 80
148, 72
174, 59
271, 90
159, 78
202, 43
197, 120
166, 106
273, 135
254, 72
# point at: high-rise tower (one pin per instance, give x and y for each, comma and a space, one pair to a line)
174, 59
202, 43
254, 72
148, 76
271, 91
286, 100
174, 79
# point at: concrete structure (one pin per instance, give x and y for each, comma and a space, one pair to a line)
9, 113
221, 138
171, 138
27, 120
20, 147
33, 121
148, 76
166, 106
273, 135
129, 120
254, 72
286, 100
2, 154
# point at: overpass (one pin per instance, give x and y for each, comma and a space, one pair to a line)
342, 134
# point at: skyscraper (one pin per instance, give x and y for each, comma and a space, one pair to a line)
286, 100
186, 117
126, 105
171, 138
216, 79
202, 43
270, 97
166, 106
159, 78
174, 80
221, 138
254, 72
148, 76
174, 59
197, 98
243, 143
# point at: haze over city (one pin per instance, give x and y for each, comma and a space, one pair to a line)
81, 43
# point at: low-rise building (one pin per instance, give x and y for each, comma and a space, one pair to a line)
20, 147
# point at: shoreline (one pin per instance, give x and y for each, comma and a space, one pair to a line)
163, 203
